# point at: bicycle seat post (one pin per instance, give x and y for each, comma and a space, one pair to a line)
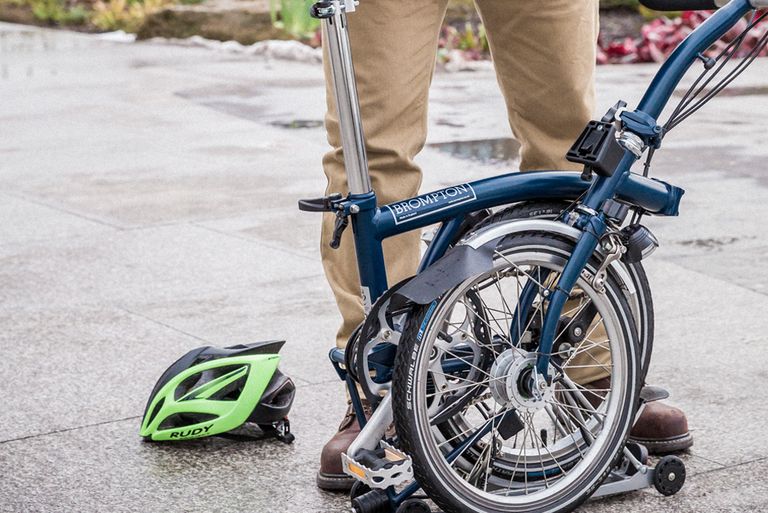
336, 37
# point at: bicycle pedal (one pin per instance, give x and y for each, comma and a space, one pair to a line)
380, 468
649, 394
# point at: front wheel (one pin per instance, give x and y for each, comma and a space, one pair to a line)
480, 439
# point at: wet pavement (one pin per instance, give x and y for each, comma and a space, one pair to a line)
147, 206
504, 150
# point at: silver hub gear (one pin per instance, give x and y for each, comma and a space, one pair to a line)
510, 378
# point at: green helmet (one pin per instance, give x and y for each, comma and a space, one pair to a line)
212, 391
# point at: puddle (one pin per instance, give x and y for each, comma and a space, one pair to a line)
449, 123
745, 91
711, 243
232, 150
241, 110
489, 151
734, 91
240, 101
218, 91
298, 124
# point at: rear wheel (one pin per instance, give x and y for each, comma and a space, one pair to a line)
480, 439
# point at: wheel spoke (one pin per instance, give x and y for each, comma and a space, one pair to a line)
462, 387
475, 367
518, 269
557, 462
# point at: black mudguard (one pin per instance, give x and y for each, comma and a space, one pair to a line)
458, 264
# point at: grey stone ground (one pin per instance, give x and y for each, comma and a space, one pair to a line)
147, 206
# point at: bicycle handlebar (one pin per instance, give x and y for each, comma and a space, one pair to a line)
682, 5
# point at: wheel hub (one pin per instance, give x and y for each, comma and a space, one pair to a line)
511, 381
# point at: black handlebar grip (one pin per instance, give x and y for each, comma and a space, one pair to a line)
680, 5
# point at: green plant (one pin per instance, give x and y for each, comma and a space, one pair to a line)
77, 15
125, 15
47, 10
608, 4
471, 40
57, 11
293, 17
650, 14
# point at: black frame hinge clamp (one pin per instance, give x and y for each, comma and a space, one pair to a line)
322, 10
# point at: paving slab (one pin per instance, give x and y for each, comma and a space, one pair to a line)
708, 352
280, 227
25, 221
722, 491
300, 311
155, 263
108, 468
66, 367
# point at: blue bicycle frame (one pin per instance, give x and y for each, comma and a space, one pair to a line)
449, 206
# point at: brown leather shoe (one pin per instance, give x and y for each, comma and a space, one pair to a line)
662, 429
331, 476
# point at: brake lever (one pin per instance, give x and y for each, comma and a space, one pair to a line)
342, 221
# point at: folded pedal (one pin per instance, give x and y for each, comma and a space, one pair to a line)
379, 468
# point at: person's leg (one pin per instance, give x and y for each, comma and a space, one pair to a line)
394, 45
544, 53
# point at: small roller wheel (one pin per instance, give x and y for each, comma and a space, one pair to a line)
372, 502
414, 506
669, 476
358, 489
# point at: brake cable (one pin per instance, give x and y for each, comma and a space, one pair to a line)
692, 100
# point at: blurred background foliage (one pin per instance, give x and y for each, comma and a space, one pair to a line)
91, 15
292, 16
463, 29
127, 15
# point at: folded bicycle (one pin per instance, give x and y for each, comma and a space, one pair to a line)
530, 279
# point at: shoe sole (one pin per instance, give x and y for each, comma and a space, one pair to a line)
666, 445
334, 482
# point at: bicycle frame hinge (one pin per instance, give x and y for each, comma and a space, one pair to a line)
638, 130
322, 10
632, 143
325, 9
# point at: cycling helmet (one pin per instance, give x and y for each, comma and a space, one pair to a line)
212, 391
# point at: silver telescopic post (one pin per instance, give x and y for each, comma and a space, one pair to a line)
336, 36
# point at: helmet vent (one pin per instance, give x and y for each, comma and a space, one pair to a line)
215, 384
276, 400
156, 410
180, 420
284, 397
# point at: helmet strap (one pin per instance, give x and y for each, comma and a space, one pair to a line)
281, 430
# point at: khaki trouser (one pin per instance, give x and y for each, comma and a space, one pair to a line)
544, 55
